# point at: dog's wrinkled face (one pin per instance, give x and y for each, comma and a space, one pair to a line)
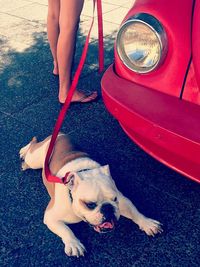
95, 198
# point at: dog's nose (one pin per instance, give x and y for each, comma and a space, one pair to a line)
107, 210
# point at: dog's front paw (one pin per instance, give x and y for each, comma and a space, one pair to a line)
150, 227
74, 248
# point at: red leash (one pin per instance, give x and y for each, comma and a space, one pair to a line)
49, 176
100, 35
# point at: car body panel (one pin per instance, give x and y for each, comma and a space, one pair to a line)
191, 90
155, 121
196, 41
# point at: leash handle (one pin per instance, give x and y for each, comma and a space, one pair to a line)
50, 177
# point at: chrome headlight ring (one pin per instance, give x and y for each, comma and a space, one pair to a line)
142, 43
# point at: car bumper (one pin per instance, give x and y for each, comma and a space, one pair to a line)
164, 126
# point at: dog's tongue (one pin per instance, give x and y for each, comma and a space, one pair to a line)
105, 225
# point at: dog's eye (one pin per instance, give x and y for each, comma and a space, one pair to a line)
91, 205
115, 199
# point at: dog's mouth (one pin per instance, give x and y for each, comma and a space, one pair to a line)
105, 227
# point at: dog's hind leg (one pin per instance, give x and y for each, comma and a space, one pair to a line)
33, 154
23, 152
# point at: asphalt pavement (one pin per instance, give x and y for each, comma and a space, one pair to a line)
29, 107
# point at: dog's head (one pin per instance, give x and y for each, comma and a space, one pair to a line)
95, 198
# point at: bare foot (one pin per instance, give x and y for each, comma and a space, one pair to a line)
79, 97
55, 68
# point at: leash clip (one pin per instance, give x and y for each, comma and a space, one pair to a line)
65, 179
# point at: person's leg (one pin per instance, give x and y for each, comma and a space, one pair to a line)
53, 29
70, 11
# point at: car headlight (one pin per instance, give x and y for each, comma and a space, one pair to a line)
142, 43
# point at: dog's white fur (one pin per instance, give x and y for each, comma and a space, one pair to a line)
92, 185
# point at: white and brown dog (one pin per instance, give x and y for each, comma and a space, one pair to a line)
91, 195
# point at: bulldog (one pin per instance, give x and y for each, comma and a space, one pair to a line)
90, 194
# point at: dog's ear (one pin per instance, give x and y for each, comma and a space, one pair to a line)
106, 170
73, 180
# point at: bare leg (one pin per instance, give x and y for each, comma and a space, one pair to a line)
70, 11
53, 30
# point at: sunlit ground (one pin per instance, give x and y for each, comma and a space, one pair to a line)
21, 36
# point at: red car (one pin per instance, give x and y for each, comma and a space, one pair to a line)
153, 86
